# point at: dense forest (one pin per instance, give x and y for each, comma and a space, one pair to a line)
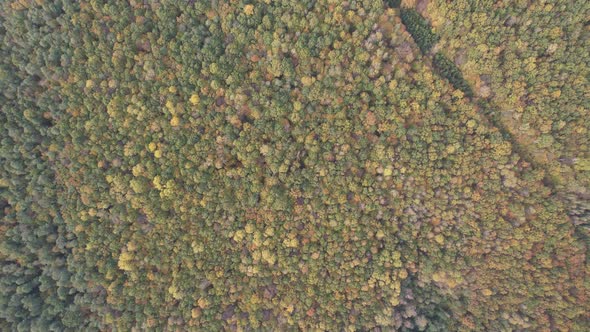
313, 165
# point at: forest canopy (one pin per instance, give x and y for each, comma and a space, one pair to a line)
289, 165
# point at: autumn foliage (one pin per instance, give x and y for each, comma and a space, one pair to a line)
287, 165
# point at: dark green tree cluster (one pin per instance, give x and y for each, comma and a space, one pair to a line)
449, 70
422, 34
262, 165
393, 3
419, 28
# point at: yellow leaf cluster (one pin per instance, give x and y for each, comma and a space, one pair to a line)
249, 10
124, 262
195, 99
291, 243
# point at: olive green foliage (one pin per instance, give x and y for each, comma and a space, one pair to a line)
419, 28
36, 292
262, 165
532, 61
449, 70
